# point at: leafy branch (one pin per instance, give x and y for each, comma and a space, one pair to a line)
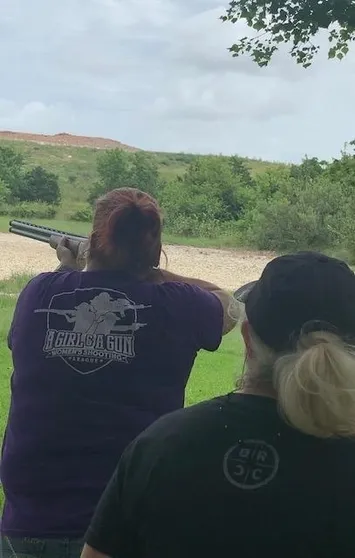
295, 23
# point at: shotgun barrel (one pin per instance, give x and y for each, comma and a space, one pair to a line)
40, 232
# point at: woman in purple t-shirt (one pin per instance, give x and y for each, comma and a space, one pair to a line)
98, 356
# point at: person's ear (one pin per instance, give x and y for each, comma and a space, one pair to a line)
245, 329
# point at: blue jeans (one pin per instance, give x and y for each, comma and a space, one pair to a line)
40, 548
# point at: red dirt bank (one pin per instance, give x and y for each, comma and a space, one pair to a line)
66, 140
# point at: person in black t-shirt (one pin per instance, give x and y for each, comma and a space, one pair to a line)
268, 470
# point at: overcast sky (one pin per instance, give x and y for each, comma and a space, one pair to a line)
156, 74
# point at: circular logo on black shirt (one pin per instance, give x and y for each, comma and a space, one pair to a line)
251, 464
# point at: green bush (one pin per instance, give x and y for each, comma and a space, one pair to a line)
84, 215
282, 227
195, 226
29, 210
39, 185
184, 225
213, 189
4, 192
295, 214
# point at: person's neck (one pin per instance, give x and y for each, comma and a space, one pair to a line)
259, 392
150, 275
93, 266
258, 387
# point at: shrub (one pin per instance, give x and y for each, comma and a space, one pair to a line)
183, 225
39, 185
281, 226
72, 178
84, 214
212, 190
29, 210
5, 193
195, 226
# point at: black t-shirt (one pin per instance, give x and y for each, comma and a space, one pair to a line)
229, 477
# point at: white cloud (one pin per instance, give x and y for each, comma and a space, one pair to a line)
32, 116
157, 74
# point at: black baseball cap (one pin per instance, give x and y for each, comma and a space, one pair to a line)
306, 291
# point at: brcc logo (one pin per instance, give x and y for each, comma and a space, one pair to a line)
251, 464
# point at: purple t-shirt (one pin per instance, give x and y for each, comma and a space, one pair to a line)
97, 358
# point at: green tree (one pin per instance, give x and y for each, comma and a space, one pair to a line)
240, 169
5, 194
310, 169
295, 22
270, 182
11, 169
215, 179
145, 173
300, 215
40, 185
119, 169
342, 171
114, 168
213, 191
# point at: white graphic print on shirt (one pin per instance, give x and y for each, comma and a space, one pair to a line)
90, 328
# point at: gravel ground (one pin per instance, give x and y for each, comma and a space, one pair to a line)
227, 268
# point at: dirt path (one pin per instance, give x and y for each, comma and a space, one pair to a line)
227, 268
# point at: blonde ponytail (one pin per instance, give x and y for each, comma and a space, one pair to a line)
316, 386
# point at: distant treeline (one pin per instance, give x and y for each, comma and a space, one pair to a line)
305, 206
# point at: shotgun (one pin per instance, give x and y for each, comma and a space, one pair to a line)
41, 233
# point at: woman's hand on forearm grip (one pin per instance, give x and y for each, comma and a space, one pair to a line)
70, 253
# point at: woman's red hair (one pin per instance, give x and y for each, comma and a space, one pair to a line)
127, 230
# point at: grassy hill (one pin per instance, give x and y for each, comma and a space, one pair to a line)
76, 167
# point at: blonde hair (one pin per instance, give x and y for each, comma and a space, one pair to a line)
315, 384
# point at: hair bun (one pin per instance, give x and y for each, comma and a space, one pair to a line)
127, 230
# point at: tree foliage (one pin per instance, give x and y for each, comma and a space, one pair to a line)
39, 185
310, 205
144, 172
295, 22
310, 169
287, 207
306, 206
213, 190
20, 185
114, 169
120, 169
4, 192
11, 169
